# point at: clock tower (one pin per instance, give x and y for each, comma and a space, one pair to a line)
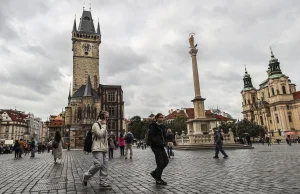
85, 47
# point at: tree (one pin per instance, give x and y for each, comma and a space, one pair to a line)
225, 126
177, 125
252, 128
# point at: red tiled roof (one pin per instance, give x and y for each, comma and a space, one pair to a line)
296, 95
190, 114
16, 116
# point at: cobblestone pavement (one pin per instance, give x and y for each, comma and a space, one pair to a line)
274, 169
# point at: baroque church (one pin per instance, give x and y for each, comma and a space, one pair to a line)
88, 97
275, 104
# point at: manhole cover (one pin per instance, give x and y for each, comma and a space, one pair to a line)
45, 187
53, 180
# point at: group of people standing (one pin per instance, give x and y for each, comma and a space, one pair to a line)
21, 147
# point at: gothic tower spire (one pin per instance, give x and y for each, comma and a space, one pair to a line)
74, 25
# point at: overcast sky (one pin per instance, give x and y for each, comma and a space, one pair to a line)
145, 49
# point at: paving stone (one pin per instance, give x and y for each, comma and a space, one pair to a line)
264, 170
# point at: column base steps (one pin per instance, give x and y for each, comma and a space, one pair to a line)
210, 147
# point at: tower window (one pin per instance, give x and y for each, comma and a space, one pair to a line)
111, 97
278, 92
111, 111
271, 121
261, 120
290, 118
288, 107
273, 92
283, 90
277, 119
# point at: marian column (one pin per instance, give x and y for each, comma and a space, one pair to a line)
198, 101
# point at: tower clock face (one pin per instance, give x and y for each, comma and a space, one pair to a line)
86, 48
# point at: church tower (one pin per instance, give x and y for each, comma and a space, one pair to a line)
85, 46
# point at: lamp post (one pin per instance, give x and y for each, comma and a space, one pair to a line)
47, 124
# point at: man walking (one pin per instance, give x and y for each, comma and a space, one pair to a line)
99, 151
128, 144
218, 144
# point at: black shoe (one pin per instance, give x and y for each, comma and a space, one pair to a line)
225, 157
126, 158
161, 182
130, 157
153, 174
216, 157
84, 182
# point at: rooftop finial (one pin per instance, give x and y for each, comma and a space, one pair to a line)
272, 55
90, 6
245, 68
83, 5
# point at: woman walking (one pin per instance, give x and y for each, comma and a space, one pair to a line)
57, 146
157, 140
122, 144
170, 137
17, 149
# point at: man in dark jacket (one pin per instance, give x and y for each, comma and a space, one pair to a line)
32, 146
157, 137
218, 144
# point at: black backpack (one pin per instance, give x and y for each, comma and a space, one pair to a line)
54, 144
129, 138
88, 142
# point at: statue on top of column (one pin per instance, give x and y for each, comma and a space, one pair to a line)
191, 40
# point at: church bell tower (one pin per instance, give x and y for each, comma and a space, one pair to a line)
85, 46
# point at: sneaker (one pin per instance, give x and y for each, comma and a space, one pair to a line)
130, 157
84, 182
161, 182
106, 187
216, 157
225, 157
153, 174
126, 158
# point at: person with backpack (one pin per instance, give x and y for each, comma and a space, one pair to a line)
57, 146
122, 144
99, 148
128, 144
218, 144
156, 138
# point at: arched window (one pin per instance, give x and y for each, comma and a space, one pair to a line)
283, 90
88, 111
79, 113
273, 92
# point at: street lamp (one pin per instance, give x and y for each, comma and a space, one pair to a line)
47, 124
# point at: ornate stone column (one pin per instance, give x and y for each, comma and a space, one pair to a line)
198, 101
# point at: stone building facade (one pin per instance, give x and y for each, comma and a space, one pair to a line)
88, 96
275, 104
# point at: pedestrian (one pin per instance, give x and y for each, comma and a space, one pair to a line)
32, 148
170, 138
68, 145
57, 146
111, 145
17, 149
268, 141
128, 144
99, 151
218, 144
288, 140
49, 145
122, 144
21, 142
157, 141
248, 139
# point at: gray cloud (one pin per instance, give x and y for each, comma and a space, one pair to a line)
145, 49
